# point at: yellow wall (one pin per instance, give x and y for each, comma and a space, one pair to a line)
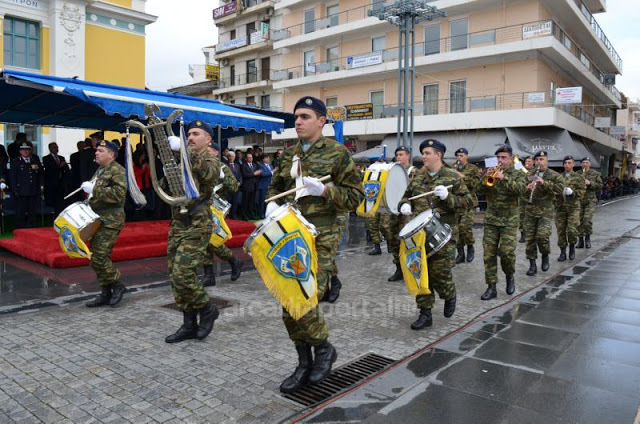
123, 3
44, 50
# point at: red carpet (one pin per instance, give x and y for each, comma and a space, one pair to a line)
137, 240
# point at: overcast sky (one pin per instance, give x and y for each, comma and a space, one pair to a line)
176, 40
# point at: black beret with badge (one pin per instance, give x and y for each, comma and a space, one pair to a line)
201, 125
308, 102
110, 145
402, 149
566, 158
462, 150
541, 154
432, 142
585, 159
505, 148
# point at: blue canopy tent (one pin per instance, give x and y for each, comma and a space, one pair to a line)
28, 98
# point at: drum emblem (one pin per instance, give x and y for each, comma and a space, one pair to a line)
69, 240
216, 223
291, 256
371, 190
413, 262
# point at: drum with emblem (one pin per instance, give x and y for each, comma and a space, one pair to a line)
76, 224
438, 234
220, 204
384, 185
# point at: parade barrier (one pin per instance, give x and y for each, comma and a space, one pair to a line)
138, 240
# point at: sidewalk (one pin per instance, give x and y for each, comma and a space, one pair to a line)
68, 363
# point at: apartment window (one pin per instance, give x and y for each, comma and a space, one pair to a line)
251, 28
432, 39
378, 44
309, 63
265, 68
457, 96
430, 94
251, 100
265, 101
21, 43
252, 71
232, 34
377, 98
33, 134
331, 101
232, 75
459, 34
332, 14
309, 21
333, 59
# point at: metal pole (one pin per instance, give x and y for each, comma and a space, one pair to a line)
413, 79
405, 124
399, 86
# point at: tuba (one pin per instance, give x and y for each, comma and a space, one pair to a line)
157, 132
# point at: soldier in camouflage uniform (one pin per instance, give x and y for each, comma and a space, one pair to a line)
528, 165
375, 230
392, 224
188, 238
568, 209
436, 176
320, 204
501, 222
545, 184
107, 192
593, 182
229, 186
333, 291
471, 175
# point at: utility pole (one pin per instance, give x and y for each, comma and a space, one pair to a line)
406, 14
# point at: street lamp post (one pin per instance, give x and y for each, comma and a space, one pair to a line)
406, 14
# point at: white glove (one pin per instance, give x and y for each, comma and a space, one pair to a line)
3, 186
441, 191
568, 191
405, 209
314, 187
271, 208
87, 187
174, 143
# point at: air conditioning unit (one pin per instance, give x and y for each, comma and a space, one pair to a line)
224, 62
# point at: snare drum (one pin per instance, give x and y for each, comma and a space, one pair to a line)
438, 234
79, 215
384, 186
220, 204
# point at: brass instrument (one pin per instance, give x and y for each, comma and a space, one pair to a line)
516, 159
490, 180
535, 184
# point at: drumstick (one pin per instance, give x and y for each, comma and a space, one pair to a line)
72, 193
293, 190
426, 194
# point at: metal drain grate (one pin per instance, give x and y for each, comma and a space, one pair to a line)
219, 302
341, 379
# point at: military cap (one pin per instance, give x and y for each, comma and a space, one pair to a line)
110, 145
462, 150
505, 148
432, 142
308, 102
215, 146
527, 157
402, 149
585, 159
566, 158
200, 125
25, 145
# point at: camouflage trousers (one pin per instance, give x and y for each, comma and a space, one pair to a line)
440, 276
101, 247
186, 248
341, 220
391, 226
522, 205
567, 223
465, 228
222, 251
374, 228
537, 231
587, 208
311, 329
499, 241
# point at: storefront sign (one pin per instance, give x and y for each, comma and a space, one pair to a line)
536, 97
212, 72
231, 44
536, 30
337, 113
225, 10
602, 122
369, 59
617, 130
359, 111
568, 95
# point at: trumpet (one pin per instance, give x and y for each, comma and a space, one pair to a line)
535, 184
490, 180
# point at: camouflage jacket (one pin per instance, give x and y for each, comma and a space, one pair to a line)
502, 198
109, 194
575, 181
229, 182
544, 194
324, 157
472, 175
459, 198
594, 188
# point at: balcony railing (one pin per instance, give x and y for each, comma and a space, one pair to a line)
247, 78
444, 45
595, 27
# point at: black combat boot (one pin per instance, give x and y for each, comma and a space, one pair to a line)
208, 278
471, 253
334, 291
102, 299
376, 250
511, 284
208, 315
572, 252
489, 293
533, 269
397, 276
545, 263
236, 268
117, 291
563, 254
587, 241
580, 244
300, 375
187, 330
521, 237
324, 355
460, 258
424, 320
450, 307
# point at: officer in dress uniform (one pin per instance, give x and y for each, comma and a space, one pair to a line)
26, 182
471, 175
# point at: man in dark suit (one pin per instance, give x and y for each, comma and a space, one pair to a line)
26, 178
74, 160
235, 198
13, 148
88, 165
55, 169
263, 184
250, 175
